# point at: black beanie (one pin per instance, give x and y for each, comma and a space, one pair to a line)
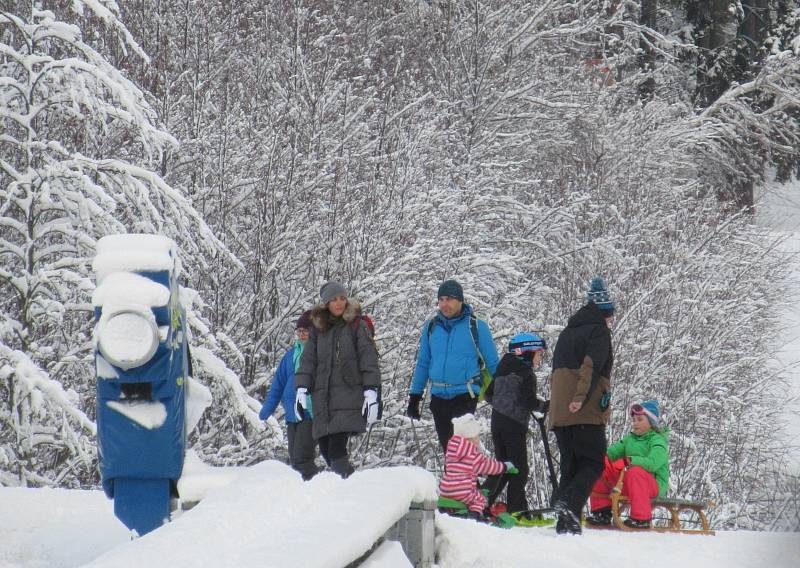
451, 288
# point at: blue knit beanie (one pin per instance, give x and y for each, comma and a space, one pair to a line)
451, 288
599, 296
650, 409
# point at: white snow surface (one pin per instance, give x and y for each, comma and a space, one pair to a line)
127, 288
198, 398
778, 207
147, 414
266, 516
136, 252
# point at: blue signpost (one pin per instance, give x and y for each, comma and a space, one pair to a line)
142, 371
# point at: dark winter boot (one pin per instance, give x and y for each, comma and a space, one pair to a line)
343, 467
476, 516
567, 522
636, 524
600, 517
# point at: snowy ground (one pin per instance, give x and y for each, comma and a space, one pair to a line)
779, 208
265, 516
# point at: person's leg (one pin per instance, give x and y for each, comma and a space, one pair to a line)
337, 453
291, 430
463, 404
302, 450
567, 464
590, 450
324, 443
517, 453
441, 411
475, 501
492, 481
639, 486
602, 487
444, 410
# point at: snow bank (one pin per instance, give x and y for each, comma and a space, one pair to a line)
267, 516
56, 528
466, 543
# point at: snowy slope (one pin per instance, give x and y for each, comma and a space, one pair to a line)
267, 517
779, 208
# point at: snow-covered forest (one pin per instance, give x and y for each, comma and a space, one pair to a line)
519, 146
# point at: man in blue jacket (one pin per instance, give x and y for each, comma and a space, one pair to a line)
451, 347
301, 442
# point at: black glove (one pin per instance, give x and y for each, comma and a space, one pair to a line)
413, 406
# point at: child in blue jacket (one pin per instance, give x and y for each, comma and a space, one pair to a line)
301, 442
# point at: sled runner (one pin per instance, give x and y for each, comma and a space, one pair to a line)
678, 510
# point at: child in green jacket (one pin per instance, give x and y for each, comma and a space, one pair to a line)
644, 455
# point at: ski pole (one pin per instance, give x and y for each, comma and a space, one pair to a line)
548, 456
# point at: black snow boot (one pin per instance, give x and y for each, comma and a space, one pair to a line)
636, 524
567, 522
600, 517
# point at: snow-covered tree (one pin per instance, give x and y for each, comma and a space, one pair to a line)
78, 144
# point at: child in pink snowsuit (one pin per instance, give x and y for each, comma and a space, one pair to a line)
464, 462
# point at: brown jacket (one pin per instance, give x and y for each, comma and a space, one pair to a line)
582, 363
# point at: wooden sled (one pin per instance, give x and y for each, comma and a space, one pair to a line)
678, 510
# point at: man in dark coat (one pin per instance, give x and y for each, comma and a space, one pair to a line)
580, 396
339, 372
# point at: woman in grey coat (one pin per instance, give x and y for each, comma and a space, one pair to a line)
338, 381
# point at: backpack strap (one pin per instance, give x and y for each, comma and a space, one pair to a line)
370, 329
473, 327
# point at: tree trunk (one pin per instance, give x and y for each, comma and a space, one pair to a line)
716, 42
647, 18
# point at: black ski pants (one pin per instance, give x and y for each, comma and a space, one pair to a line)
301, 448
511, 446
445, 409
333, 448
582, 448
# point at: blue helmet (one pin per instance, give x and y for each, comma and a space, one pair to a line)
526, 342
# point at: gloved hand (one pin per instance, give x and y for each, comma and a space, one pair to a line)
542, 406
413, 406
627, 461
301, 402
511, 469
370, 408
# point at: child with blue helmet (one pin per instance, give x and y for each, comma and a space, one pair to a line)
512, 395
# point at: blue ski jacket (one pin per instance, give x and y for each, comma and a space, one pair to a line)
449, 360
282, 390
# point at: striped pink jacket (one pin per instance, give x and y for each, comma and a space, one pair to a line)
463, 463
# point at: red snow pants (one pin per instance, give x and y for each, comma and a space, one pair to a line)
638, 485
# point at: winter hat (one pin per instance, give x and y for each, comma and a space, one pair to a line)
466, 426
330, 290
650, 409
451, 288
599, 296
526, 342
304, 321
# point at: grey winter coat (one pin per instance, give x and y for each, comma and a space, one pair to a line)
339, 362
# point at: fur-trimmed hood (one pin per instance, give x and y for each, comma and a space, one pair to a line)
323, 320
